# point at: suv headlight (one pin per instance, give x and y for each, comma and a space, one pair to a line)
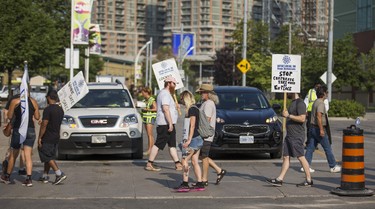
69, 121
220, 120
129, 120
271, 119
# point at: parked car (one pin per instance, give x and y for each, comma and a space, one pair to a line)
105, 121
246, 123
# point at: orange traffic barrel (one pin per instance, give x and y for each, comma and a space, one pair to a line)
353, 164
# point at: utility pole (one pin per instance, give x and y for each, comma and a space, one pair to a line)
330, 50
244, 42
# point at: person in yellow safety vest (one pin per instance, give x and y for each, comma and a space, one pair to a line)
149, 117
309, 101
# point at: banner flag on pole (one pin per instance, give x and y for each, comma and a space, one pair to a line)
24, 105
81, 21
97, 40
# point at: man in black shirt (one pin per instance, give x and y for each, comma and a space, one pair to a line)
49, 136
293, 143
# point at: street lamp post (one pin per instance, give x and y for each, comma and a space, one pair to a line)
136, 62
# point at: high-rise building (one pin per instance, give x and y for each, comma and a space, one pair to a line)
354, 17
315, 19
126, 25
212, 22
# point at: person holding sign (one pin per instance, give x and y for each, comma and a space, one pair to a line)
166, 118
293, 143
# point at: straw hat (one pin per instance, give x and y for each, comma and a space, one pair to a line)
205, 87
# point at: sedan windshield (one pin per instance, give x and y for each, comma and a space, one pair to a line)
241, 101
110, 98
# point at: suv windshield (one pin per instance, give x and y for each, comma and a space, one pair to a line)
241, 101
111, 98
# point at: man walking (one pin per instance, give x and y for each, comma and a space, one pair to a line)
49, 136
166, 118
318, 131
293, 143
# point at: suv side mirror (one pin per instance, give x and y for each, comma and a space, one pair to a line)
276, 106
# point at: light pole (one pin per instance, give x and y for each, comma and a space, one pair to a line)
136, 62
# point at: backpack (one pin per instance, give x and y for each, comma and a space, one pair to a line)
205, 130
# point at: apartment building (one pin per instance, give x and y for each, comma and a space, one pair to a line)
126, 25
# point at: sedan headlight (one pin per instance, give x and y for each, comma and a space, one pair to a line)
271, 119
129, 120
69, 121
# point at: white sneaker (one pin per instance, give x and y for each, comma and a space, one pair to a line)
336, 169
311, 170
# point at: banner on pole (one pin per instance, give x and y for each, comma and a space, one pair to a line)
81, 21
286, 73
96, 40
73, 91
165, 69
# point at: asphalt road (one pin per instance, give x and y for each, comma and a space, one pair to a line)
115, 182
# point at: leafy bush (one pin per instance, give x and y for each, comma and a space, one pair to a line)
337, 108
346, 108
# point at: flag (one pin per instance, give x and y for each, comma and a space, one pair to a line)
24, 105
81, 21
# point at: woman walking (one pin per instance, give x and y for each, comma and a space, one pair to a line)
191, 144
149, 117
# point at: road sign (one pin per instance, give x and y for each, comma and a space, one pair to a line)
244, 66
324, 77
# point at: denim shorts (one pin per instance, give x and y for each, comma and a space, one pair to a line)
29, 141
196, 143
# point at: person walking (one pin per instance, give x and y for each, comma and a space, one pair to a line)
309, 101
15, 110
149, 117
318, 131
166, 118
293, 143
210, 100
21, 168
49, 136
191, 144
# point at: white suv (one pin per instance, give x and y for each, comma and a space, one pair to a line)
105, 121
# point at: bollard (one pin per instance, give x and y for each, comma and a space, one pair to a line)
353, 165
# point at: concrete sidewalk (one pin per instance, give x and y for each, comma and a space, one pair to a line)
129, 180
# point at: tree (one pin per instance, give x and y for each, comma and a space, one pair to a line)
368, 72
223, 64
346, 65
29, 32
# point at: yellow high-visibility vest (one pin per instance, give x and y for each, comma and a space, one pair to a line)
149, 115
312, 97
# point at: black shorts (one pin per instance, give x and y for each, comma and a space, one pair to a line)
205, 150
164, 137
293, 147
47, 152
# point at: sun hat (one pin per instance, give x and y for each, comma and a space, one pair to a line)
205, 87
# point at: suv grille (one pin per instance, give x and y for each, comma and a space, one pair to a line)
99, 121
245, 129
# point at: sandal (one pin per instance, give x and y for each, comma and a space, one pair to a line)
152, 167
220, 176
205, 183
178, 166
